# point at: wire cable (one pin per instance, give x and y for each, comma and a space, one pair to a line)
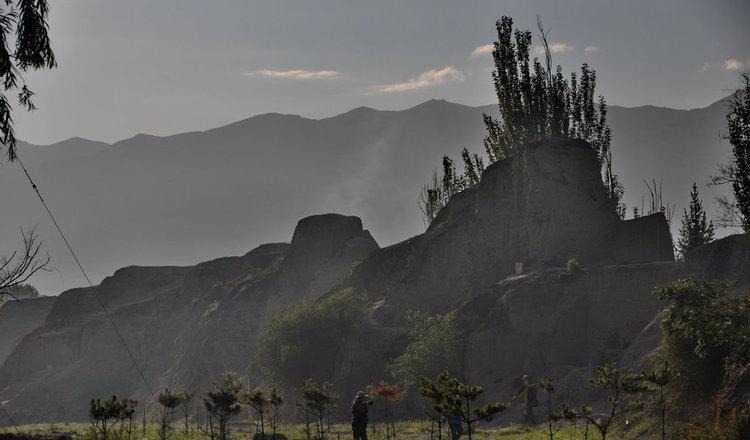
2, 405
91, 285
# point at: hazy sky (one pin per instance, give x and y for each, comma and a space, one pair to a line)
166, 66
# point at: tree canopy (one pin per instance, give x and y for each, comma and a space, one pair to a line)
27, 21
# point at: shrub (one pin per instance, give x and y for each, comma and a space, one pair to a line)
572, 266
303, 341
451, 396
705, 334
387, 392
109, 415
222, 404
319, 403
434, 346
168, 402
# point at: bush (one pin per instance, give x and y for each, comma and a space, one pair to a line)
573, 266
706, 334
303, 341
434, 347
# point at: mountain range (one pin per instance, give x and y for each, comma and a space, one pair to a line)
193, 196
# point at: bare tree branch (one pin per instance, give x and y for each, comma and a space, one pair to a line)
22, 265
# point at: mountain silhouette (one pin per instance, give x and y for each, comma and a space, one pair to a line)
190, 197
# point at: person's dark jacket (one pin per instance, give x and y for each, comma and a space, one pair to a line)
359, 411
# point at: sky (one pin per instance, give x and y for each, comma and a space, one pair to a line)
168, 66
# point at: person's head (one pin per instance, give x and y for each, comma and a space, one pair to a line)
525, 379
360, 395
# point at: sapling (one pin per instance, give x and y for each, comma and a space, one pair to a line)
168, 402
258, 400
657, 381
222, 404
620, 385
275, 400
553, 417
387, 392
319, 403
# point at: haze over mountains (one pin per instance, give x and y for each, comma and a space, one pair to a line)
190, 197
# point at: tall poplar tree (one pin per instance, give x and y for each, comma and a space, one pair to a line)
735, 211
534, 103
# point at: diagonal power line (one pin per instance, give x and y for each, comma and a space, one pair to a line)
91, 285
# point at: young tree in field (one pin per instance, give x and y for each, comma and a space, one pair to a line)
17, 267
459, 397
735, 212
186, 404
696, 229
222, 404
657, 381
275, 400
534, 103
620, 385
319, 403
168, 403
553, 417
108, 415
388, 392
24, 22
258, 400
434, 392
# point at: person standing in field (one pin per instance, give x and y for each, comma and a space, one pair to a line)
527, 395
454, 423
360, 407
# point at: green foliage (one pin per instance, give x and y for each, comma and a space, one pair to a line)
168, 402
449, 395
656, 382
222, 404
262, 400
108, 417
621, 387
28, 21
387, 392
186, 402
534, 103
553, 417
572, 266
696, 229
434, 346
319, 403
706, 333
735, 212
303, 341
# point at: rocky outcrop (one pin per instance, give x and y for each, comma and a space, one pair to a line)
184, 325
560, 324
189, 325
18, 318
322, 253
538, 209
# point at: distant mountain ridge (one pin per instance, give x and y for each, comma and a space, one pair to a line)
189, 197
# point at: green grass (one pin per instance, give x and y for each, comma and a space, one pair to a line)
405, 430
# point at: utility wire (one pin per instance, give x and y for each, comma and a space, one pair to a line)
2, 405
91, 285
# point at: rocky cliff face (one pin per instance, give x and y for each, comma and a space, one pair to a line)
189, 325
538, 209
18, 318
185, 326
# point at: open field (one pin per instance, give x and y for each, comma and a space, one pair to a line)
406, 430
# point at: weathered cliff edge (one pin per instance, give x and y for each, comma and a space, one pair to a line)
185, 326
18, 318
188, 325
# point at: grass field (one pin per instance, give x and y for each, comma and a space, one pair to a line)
405, 430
